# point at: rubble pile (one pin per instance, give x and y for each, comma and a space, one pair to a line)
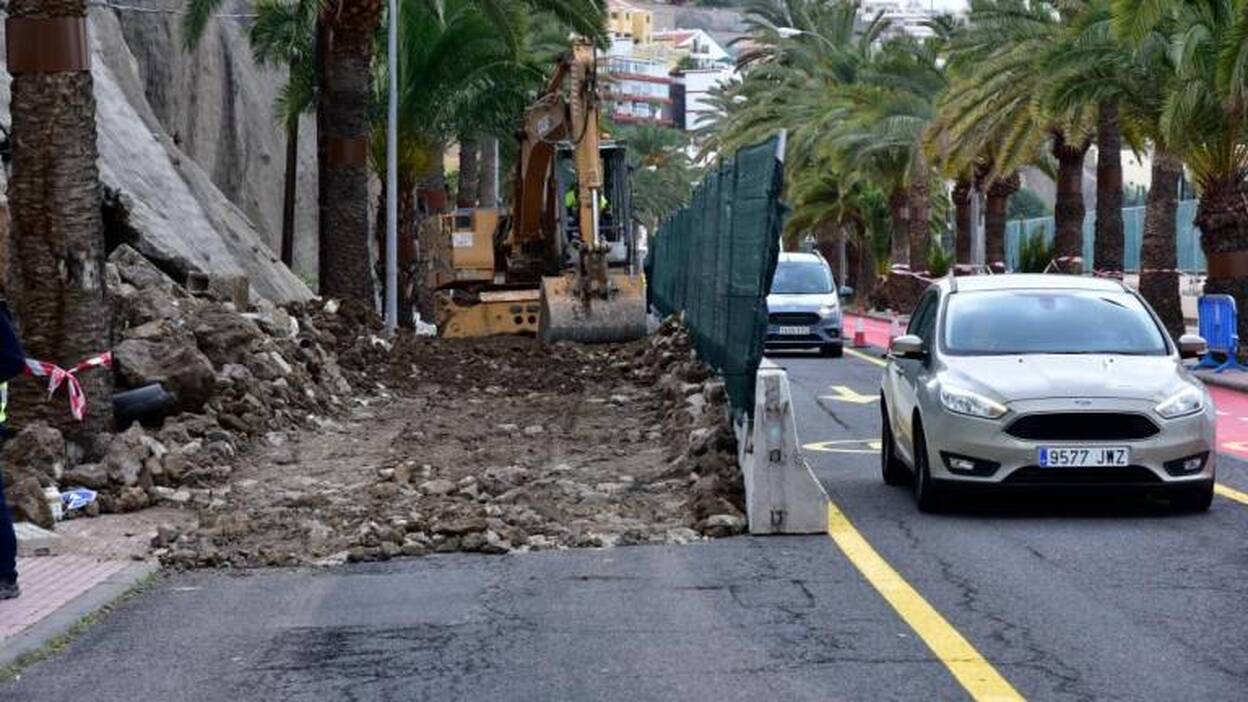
305, 435
489, 445
698, 431
232, 376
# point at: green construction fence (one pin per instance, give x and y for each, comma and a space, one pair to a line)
1190, 256
713, 261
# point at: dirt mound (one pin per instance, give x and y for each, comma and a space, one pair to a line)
489, 445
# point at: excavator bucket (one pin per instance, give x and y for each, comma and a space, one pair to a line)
621, 316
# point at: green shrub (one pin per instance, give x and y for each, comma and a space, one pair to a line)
939, 261
1035, 254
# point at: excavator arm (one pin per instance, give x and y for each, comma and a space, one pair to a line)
586, 303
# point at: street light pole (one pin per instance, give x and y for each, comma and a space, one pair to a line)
392, 174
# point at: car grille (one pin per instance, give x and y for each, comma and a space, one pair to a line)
795, 319
1123, 475
1082, 426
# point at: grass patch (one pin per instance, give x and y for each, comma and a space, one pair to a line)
60, 642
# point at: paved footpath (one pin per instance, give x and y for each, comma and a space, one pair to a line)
93, 565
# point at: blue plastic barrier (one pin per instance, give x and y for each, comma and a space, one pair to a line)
1219, 321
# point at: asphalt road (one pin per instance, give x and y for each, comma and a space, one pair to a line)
1068, 597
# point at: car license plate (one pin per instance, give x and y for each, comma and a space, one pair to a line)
794, 331
1085, 457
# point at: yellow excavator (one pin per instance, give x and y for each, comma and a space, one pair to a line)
564, 263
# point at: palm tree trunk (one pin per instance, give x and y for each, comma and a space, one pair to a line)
962, 218
920, 214
1108, 245
899, 206
57, 227
867, 276
996, 210
409, 279
1222, 216
289, 191
1159, 279
1069, 211
488, 189
345, 45
469, 173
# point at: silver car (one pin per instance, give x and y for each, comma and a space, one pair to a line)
1043, 380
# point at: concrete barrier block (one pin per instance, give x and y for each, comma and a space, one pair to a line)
782, 495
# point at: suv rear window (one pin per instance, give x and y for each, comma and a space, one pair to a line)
1050, 321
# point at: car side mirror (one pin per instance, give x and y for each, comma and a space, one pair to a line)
1192, 346
907, 346
846, 292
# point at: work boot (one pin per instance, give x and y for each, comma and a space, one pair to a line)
9, 589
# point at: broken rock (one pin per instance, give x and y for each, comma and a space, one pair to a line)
38, 450
87, 475
172, 361
124, 460
721, 525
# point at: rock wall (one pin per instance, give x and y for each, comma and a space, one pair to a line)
168, 205
217, 105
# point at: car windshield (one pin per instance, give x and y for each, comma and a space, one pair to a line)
1050, 321
802, 278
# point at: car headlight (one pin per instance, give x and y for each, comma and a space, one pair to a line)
968, 403
828, 310
1187, 401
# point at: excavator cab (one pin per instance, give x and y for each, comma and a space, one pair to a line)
616, 227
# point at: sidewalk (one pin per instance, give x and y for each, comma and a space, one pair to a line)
93, 562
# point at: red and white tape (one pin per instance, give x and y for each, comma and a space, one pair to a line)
58, 376
903, 269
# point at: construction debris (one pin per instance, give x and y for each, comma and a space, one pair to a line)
304, 434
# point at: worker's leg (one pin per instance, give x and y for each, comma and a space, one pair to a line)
8, 549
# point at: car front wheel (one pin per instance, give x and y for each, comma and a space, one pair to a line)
893, 470
926, 495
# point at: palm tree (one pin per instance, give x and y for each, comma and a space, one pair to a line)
1202, 121
1138, 76
962, 220
57, 227
998, 191
663, 175
1087, 65
284, 33
469, 181
1109, 238
456, 75
346, 33
996, 105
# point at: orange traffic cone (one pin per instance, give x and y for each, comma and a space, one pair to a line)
860, 333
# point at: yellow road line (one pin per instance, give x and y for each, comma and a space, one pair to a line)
971, 669
1231, 493
865, 357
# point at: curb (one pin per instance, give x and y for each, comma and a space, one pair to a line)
63, 620
1240, 384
